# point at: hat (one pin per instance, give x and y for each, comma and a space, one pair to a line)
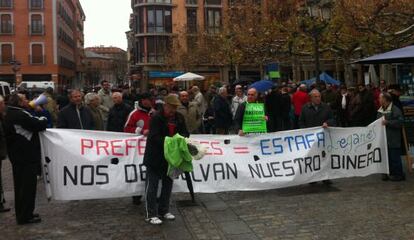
145, 96
172, 100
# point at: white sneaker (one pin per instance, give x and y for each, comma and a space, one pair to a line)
153, 221
169, 216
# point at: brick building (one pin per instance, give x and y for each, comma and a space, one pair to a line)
45, 37
111, 60
97, 68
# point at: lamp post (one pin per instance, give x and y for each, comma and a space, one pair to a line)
316, 20
15, 68
230, 49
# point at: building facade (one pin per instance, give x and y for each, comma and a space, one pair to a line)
41, 40
119, 63
97, 68
154, 26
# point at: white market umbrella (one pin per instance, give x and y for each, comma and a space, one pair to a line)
373, 75
188, 77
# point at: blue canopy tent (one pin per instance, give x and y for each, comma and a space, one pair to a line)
401, 55
324, 77
262, 85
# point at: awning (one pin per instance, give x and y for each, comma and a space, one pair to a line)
401, 55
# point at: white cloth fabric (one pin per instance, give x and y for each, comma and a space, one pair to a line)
343, 103
235, 103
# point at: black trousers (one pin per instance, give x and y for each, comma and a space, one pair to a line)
25, 183
151, 189
2, 200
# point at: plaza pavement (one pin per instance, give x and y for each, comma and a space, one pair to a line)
357, 208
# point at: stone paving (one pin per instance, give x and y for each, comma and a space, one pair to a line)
358, 208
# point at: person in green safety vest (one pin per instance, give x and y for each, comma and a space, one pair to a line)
252, 97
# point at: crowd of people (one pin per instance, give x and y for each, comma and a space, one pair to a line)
163, 112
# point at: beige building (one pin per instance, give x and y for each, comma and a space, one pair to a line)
41, 40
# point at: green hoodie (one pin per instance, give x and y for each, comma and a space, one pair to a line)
177, 155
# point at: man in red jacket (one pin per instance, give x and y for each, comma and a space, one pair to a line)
138, 123
138, 120
299, 99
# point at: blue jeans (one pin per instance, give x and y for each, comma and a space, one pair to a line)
395, 164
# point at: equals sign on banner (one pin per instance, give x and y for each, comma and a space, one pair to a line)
241, 150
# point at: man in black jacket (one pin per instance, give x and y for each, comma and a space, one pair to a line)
118, 114
75, 115
316, 114
222, 113
165, 123
21, 131
3, 153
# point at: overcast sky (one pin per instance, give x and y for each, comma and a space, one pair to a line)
106, 22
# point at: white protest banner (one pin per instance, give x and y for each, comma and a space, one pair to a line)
92, 165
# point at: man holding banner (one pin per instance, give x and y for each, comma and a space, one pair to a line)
165, 123
250, 116
393, 119
316, 114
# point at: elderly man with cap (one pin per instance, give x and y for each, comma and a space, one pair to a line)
166, 122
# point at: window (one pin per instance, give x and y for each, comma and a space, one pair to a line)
192, 20
191, 42
157, 1
6, 3
140, 50
191, 2
213, 20
157, 47
36, 4
213, 2
6, 53
6, 25
36, 26
159, 20
37, 54
139, 21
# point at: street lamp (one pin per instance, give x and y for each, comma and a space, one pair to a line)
15, 68
316, 20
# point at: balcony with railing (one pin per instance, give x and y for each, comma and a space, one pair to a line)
6, 29
37, 59
6, 4
36, 29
